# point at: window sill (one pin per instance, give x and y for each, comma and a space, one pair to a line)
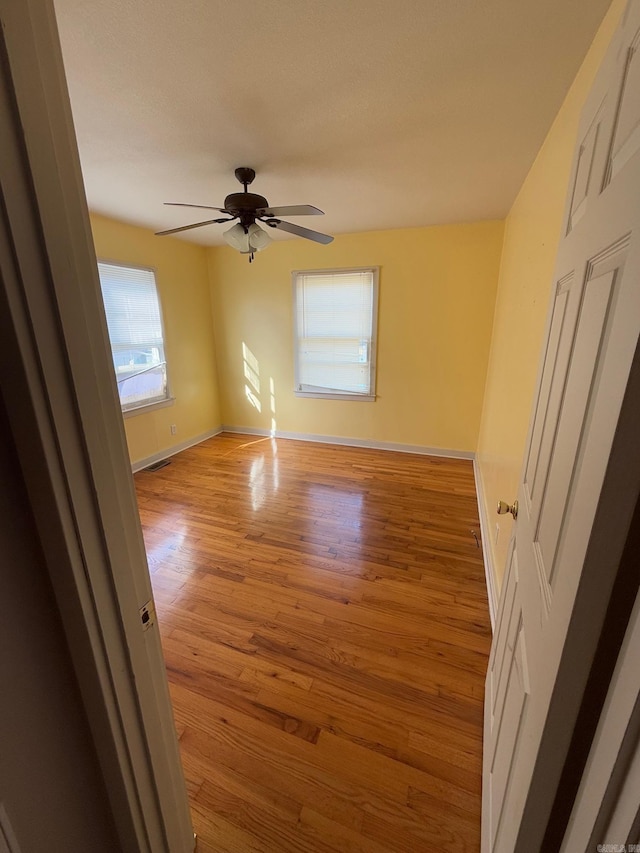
148, 407
363, 398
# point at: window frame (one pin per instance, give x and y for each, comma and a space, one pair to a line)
169, 399
373, 361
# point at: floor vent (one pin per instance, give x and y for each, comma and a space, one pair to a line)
158, 465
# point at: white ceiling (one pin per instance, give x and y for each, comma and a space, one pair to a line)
384, 114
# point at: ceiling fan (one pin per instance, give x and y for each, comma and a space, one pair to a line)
246, 235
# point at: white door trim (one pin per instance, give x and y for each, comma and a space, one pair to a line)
60, 395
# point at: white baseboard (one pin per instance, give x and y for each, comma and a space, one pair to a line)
355, 442
171, 451
489, 568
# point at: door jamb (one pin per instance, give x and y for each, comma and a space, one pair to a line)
61, 399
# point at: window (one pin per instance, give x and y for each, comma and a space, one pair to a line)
335, 323
135, 331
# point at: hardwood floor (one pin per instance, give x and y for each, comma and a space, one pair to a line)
325, 627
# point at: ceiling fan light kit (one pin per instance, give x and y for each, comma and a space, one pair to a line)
247, 240
246, 235
258, 237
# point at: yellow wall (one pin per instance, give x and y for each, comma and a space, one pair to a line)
437, 291
532, 233
183, 286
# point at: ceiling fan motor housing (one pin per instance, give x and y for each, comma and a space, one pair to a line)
238, 203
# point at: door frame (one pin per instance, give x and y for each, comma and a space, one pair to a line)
59, 390
608, 788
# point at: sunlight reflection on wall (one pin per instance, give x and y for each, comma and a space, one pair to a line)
272, 394
251, 370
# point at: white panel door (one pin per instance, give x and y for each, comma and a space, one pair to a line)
593, 329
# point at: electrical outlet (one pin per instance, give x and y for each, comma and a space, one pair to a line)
174, 429
497, 533
148, 615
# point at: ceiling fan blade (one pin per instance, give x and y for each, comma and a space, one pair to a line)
195, 225
203, 206
292, 210
316, 236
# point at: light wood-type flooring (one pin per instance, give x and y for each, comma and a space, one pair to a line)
325, 627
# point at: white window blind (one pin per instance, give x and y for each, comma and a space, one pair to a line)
335, 332
135, 331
